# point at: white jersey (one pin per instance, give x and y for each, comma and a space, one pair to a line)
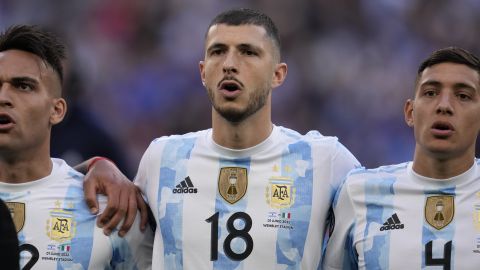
259, 208
57, 231
393, 218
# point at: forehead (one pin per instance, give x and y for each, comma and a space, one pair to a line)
17, 63
450, 73
238, 34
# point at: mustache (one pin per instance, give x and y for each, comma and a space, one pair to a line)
229, 78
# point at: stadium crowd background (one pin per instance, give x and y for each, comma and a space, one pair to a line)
352, 64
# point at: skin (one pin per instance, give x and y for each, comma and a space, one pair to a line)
243, 55
448, 95
30, 95
247, 57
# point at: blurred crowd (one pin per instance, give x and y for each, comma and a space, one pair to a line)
133, 69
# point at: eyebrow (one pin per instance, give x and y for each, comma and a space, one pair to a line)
430, 83
240, 46
23, 80
249, 46
216, 46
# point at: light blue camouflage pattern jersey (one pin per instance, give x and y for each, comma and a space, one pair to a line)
57, 231
258, 208
393, 218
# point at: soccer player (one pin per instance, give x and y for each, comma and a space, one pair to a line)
423, 214
44, 194
245, 194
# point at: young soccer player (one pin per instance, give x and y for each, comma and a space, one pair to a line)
423, 214
245, 194
44, 195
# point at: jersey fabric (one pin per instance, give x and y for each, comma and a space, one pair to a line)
259, 208
393, 218
57, 231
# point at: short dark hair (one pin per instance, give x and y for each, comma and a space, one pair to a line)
243, 16
31, 38
451, 55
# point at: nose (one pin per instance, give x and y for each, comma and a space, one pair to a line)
5, 100
444, 105
230, 63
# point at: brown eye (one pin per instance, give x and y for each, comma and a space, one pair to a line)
24, 86
463, 96
430, 93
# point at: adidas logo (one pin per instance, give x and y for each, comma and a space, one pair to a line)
186, 186
393, 223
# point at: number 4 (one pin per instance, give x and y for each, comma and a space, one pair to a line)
232, 234
445, 261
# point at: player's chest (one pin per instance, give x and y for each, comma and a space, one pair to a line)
434, 229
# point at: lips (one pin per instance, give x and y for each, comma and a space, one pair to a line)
6, 122
230, 87
442, 129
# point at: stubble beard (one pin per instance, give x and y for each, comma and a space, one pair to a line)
256, 100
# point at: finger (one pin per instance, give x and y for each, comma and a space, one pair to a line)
142, 206
130, 215
119, 214
112, 207
90, 191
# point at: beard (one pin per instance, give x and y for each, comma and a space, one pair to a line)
256, 101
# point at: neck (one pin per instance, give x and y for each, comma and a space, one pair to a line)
248, 133
441, 167
17, 169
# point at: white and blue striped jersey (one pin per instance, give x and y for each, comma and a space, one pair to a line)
259, 208
57, 231
393, 218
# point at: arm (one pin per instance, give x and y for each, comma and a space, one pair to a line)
103, 177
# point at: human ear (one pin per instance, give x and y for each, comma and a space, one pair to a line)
279, 75
408, 112
59, 110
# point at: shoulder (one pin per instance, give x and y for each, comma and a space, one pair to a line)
176, 139
312, 137
376, 175
62, 172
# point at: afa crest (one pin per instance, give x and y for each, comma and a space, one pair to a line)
280, 192
17, 210
61, 225
439, 210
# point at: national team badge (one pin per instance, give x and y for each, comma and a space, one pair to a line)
61, 225
439, 210
17, 210
232, 183
280, 192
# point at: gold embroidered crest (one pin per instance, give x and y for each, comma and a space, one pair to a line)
439, 210
280, 192
17, 210
232, 183
61, 225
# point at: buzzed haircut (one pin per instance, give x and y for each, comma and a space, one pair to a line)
451, 55
245, 16
31, 38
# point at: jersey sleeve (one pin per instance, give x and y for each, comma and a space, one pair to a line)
343, 162
134, 250
340, 253
146, 164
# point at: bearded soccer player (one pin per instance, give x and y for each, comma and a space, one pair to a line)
45, 196
423, 214
245, 194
